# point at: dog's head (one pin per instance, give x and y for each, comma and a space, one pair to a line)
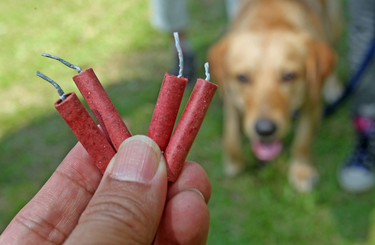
268, 76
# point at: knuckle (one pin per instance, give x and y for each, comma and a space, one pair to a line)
41, 228
123, 213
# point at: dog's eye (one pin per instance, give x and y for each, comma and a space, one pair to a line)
243, 78
288, 76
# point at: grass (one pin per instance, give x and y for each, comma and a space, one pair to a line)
130, 58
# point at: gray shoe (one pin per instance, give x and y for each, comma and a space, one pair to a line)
189, 66
357, 175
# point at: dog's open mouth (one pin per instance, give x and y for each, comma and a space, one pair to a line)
267, 151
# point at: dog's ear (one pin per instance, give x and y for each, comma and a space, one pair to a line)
216, 59
320, 62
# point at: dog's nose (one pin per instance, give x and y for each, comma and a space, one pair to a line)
265, 127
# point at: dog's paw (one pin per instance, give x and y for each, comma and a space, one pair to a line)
332, 90
303, 177
232, 168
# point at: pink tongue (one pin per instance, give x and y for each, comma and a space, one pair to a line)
267, 151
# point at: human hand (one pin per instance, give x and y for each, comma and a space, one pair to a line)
131, 204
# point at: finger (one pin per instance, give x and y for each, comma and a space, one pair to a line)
127, 207
54, 211
186, 220
192, 176
186, 217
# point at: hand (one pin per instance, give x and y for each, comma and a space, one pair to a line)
131, 204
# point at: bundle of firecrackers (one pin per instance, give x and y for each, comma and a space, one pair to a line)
102, 141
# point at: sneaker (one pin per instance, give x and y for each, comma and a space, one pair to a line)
189, 66
357, 175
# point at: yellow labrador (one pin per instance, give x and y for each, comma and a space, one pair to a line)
273, 62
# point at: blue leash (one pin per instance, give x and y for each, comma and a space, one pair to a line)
354, 80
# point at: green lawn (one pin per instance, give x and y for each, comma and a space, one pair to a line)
130, 58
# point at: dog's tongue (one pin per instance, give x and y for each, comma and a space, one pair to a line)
267, 151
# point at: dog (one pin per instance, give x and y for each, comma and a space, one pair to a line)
273, 62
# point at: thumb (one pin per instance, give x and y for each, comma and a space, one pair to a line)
129, 202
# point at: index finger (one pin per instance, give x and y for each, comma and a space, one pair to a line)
54, 211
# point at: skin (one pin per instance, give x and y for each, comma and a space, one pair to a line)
78, 205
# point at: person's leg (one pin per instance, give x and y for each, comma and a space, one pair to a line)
172, 15
356, 175
232, 8
169, 16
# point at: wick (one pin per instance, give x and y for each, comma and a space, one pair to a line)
63, 61
206, 67
180, 55
58, 88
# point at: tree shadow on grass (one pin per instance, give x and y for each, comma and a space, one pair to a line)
29, 156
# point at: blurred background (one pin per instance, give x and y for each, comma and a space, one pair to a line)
115, 38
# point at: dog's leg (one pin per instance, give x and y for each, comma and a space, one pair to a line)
302, 175
332, 89
232, 139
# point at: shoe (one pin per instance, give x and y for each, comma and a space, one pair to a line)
357, 173
189, 66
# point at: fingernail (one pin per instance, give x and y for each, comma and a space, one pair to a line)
137, 160
195, 190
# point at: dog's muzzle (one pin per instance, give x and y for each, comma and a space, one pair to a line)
266, 147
